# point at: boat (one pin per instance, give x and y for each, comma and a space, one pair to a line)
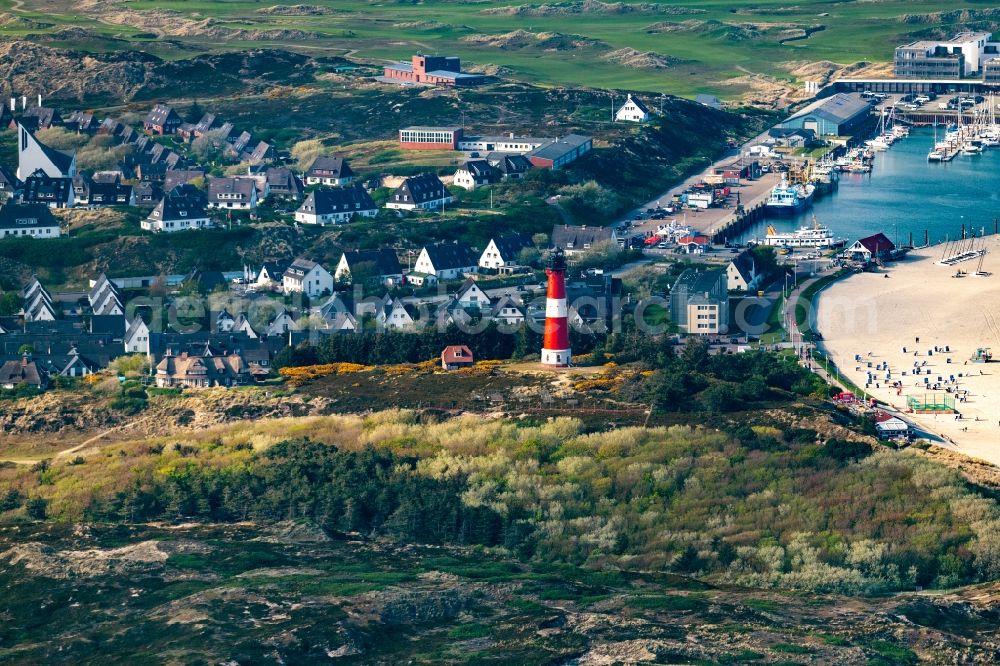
814, 236
789, 199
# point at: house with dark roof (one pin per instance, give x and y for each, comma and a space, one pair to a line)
446, 261
31, 220
508, 311
476, 173
741, 274
38, 117
699, 301
180, 209
504, 250
282, 183
23, 371
334, 171
83, 122
633, 111
577, 240
162, 119
381, 265
510, 167
263, 152
103, 192
424, 192
41, 188
232, 193
561, 152
335, 205
270, 274
33, 155
208, 122
9, 184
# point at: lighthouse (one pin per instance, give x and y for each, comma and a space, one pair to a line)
555, 346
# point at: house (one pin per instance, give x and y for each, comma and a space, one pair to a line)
180, 209
241, 144
201, 371
243, 326
33, 155
336, 315
425, 191
9, 183
32, 220
105, 298
577, 240
38, 117
37, 303
281, 324
381, 265
394, 314
505, 250
841, 114
454, 357
446, 261
40, 188
510, 167
328, 205
270, 274
281, 183
137, 337
890, 427
418, 137
710, 101
83, 122
333, 171
633, 111
306, 277
161, 120
471, 296
871, 248
699, 302
174, 177
103, 193
476, 173
264, 152
223, 322
508, 311
431, 70
792, 137
694, 244
147, 194
232, 193
561, 152
23, 371
208, 122
741, 274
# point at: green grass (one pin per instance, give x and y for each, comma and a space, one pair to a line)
705, 54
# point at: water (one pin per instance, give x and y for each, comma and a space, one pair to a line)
904, 193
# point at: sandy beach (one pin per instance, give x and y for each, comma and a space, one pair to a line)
921, 307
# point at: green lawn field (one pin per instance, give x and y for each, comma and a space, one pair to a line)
696, 45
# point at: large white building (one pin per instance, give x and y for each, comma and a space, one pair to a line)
307, 277
633, 111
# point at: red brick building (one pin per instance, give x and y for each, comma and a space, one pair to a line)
432, 70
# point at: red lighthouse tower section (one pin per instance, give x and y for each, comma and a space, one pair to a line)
555, 346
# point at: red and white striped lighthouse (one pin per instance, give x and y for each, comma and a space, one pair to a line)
555, 346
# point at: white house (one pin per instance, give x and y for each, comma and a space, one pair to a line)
504, 250
307, 277
270, 274
476, 173
508, 311
179, 210
425, 192
446, 261
393, 314
470, 295
633, 111
31, 220
243, 325
332, 171
232, 193
281, 324
381, 265
328, 205
33, 155
137, 337
741, 274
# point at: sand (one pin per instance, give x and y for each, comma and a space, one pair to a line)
871, 313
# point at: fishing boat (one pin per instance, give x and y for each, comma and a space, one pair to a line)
814, 236
789, 199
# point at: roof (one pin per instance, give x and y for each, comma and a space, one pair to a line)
160, 114
16, 372
559, 147
510, 245
744, 263
326, 200
638, 103
480, 169
423, 187
699, 282
26, 216
281, 179
174, 177
39, 186
231, 185
384, 260
427, 128
62, 159
839, 108
507, 164
456, 354
708, 100
697, 239
298, 268
330, 166
877, 243
183, 202
445, 256
569, 237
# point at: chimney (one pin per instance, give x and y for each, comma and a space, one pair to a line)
24, 360
39, 99
24, 102
13, 104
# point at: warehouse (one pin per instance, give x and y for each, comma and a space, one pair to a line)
839, 115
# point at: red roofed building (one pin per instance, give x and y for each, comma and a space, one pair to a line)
696, 244
454, 357
871, 248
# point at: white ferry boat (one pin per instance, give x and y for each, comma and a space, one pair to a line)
786, 199
814, 236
